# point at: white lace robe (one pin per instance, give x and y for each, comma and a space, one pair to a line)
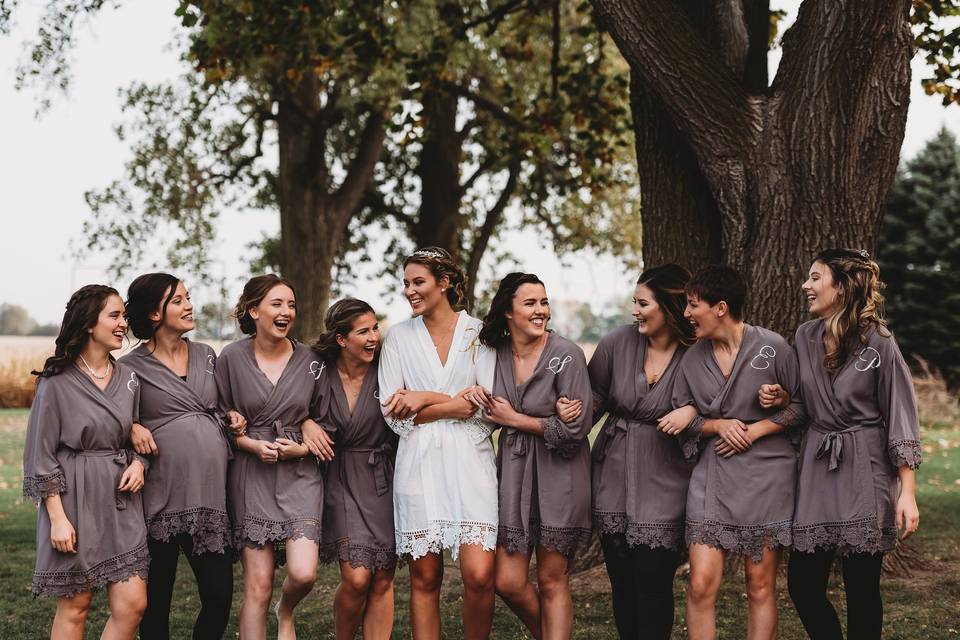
445, 483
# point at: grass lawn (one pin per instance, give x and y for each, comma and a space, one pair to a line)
925, 605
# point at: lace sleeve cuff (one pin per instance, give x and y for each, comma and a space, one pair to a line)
789, 418
37, 488
402, 428
556, 437
478, 429
905, 453
690, 438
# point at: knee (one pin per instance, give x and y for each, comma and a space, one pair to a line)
130, 609
381, 584
258, 587
478, 579
702, 588
426, 581
356, 583
302, 578
553, 584
75, 610
508, 587
760, 588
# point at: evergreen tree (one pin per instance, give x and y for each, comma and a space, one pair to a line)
919, 255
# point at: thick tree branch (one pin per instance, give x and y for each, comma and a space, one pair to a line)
756, 76
374, 201
703, 97
483, 167
360, 170
732, 32
492, 219
496, 110
495, 17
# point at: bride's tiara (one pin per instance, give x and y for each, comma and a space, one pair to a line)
428, 253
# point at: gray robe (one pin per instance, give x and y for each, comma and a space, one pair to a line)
545, 481
863, 426
640, 475
186, 492
743, 503
77, 447
272, 503
358, 498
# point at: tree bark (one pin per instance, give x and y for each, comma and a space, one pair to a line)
783, 171
313, 214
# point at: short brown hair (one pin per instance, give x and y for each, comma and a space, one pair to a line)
718, 282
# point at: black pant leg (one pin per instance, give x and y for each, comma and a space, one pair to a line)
214, 574
163, 573
861, 579
807, 577
623, 584
654, 570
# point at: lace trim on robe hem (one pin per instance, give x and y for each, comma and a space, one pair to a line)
258, 532
65, 584
556, 440
668, 535
690, 437
446, 534
905, 453
853, 536
565, 540
358, 555
37, 488
208, 528
741, 540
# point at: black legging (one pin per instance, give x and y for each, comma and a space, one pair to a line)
807, 580
214, 574
641, 579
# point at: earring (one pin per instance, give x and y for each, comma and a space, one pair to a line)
443, 290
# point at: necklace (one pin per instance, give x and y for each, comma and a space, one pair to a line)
350, 383
436, 345
94, 373
537, 347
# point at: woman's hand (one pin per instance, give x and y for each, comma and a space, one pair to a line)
63, 537
908, 515
459, 408
568, 410
773, 396
502, 412
290, 450
479, 397
734, 434
237, 424
132, 478
265, 450
677, 420
404, 403
317, 440
142, 440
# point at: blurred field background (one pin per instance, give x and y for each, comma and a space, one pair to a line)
921, 590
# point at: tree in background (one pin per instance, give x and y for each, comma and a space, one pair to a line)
919, 255
16, 321
290, 107
757, 174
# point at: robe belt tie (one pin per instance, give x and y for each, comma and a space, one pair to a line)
121, 457
605, 438
517, 442
831, 444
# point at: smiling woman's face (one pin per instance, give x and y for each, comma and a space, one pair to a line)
275, 314
422, 289
530, 311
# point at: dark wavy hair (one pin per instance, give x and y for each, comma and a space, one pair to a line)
441, 263
668, 283
719, 282
83, 311
338, 321
860, 303
253, 294
494, 331
146, 294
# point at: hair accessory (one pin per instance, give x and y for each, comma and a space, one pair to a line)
429, 253
863, 254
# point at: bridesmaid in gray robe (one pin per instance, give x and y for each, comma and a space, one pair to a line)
274, 484
640, 475
78, 464
358, 526
543, 462
740, 498
863, 436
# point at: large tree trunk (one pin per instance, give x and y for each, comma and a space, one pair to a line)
438, 221
313, 214
785, 170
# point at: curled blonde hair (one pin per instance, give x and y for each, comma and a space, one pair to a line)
859, 306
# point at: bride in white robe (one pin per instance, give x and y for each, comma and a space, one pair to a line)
445, 482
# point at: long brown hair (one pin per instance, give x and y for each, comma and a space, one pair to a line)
83, 312
253, 294
494, 331
668, 283
859, 306
441, 263
339, 322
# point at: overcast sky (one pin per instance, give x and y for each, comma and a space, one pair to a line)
47, 164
